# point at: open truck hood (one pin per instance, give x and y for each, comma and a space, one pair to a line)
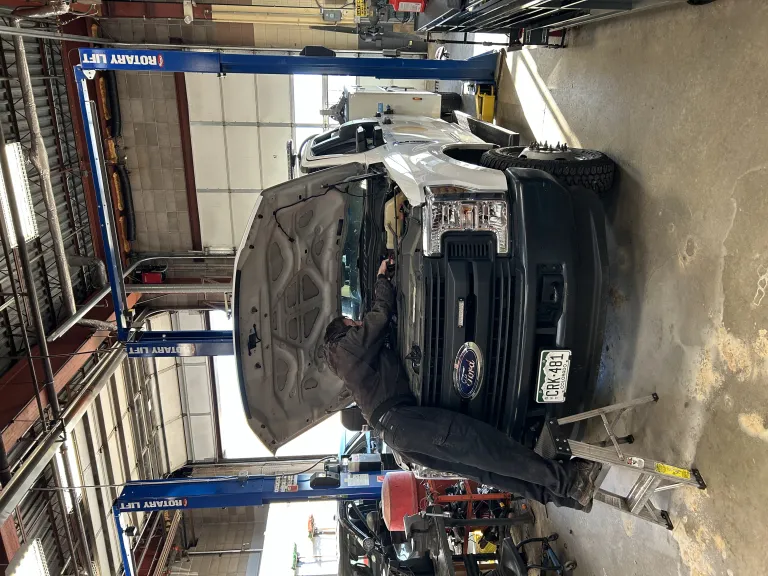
287, 289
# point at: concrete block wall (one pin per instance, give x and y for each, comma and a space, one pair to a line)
152, 147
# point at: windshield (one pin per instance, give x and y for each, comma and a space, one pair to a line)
350, 289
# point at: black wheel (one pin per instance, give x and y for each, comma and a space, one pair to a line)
573, 166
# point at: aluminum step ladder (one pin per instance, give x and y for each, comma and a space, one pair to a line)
654, 476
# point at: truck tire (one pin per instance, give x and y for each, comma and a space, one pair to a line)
592, 169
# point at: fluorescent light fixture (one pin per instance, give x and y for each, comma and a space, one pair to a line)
59, 459
29, 560
23, 196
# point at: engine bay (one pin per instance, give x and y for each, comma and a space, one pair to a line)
391, 226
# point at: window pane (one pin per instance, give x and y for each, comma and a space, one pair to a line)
307, 99
336, 85
237, 438
304, 132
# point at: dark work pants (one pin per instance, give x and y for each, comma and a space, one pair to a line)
452, 442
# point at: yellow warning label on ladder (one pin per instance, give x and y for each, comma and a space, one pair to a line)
668, 470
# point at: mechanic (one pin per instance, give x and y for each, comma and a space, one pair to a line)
433, 437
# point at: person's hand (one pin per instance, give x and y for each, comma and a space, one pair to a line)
383, 266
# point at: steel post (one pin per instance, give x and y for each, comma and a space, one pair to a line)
137, 430
222, 552
6, 242
104, 201
161, 416
5, 467
128, 567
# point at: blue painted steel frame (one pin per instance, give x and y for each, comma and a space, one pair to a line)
174, 494
480, 68
213, 343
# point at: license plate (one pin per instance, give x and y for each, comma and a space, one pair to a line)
553, 376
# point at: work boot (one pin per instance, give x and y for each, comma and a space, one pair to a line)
585, 473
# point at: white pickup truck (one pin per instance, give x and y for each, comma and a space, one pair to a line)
496, 264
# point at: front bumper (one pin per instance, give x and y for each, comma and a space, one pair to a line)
549, 292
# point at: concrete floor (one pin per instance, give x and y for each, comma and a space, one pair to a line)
678, 98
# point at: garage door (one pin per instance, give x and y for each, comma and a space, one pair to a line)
240, 124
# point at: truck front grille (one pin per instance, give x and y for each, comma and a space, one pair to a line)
500, 357
434, 336
489, 287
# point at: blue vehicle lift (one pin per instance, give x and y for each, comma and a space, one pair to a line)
141, 343
224, 492
243, 490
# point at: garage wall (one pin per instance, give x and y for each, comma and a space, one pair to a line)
102, 453
152, 149
186, 395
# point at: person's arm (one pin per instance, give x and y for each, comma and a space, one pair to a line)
370, 336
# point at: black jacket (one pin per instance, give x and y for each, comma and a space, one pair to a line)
372, 373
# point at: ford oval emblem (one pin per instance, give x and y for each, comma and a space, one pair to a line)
468, 370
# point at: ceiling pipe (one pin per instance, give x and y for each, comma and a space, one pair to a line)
77, 261
48, 11
223, 552
40, 33
179, 288
39, 158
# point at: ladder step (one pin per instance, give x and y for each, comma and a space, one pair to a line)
608, 409
648, 512
642, 491
605, 455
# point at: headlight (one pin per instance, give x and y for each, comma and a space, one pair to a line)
451, 208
